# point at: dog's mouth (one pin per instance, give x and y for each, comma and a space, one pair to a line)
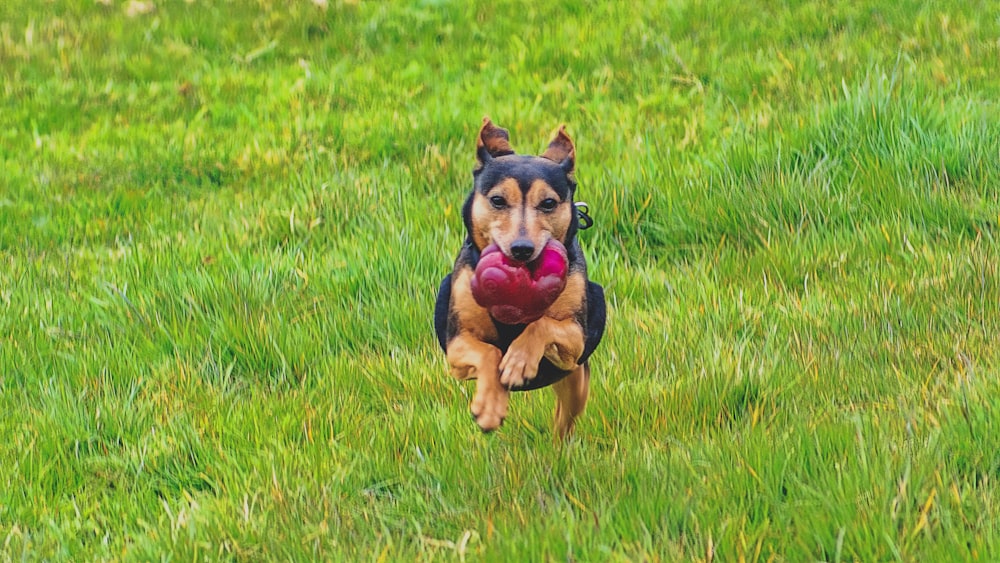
531, 263
542, 258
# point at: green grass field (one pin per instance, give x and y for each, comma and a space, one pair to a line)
222, 226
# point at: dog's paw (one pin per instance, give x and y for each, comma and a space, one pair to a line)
489, 408
519, 365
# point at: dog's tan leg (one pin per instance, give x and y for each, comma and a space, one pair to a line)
571, 399
471, 358
559, 341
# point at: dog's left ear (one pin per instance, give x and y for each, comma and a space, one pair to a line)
492, 142
562, 152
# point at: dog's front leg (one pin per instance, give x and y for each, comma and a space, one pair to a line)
471, 358
559, 341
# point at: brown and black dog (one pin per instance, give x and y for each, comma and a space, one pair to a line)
519, 203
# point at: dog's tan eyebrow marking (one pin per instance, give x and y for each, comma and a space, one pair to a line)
541, 190
509, 189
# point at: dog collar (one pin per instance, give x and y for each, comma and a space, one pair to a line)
583, 214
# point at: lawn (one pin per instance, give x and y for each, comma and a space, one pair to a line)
222, 226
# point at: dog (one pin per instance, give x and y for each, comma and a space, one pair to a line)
519, 203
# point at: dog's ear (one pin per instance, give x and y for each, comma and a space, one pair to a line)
562, 152
492, 142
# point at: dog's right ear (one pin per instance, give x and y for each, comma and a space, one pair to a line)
491, 143
562, 151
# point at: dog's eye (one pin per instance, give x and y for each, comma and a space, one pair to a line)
548, 204
498, 202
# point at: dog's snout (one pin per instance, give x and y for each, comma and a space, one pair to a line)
522, 249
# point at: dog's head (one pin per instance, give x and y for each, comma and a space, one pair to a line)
521, 202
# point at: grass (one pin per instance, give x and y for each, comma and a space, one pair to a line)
222, 227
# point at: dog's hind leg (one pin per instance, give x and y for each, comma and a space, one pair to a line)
471, 358
571, 398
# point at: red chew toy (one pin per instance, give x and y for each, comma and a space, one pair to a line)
517, 292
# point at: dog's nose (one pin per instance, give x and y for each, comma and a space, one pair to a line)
522, 249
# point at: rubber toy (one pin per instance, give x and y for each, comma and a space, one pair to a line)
518, 292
